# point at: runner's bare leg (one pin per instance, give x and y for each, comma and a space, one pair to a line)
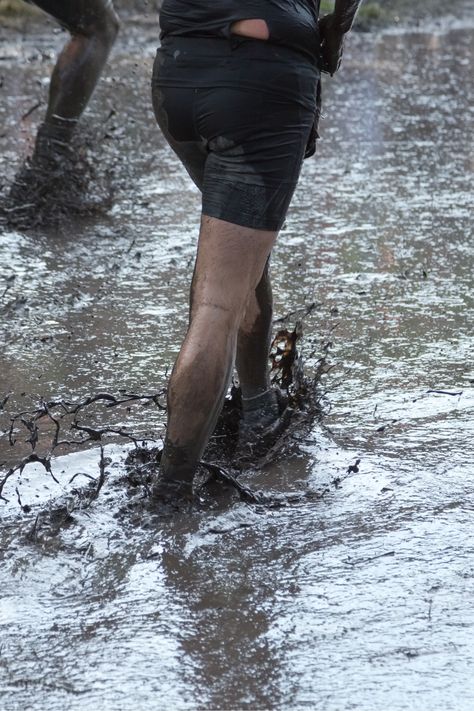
229, 266
93, 25
254, 339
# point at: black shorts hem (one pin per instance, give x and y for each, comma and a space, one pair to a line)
241, 219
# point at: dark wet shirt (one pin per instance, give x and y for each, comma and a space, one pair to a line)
293, 23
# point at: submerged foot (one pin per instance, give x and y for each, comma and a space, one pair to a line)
172, 485
57, 183
172, 494
43, 189
52, 159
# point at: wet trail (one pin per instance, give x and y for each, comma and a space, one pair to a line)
359, 599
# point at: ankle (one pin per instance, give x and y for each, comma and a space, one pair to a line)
260, 410
258, 400
59, 127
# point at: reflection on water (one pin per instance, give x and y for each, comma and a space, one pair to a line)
359, 600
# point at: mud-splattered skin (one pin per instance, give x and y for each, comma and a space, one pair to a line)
93, 25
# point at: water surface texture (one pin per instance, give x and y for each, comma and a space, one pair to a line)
361, 599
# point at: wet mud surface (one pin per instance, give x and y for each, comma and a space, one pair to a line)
356, 591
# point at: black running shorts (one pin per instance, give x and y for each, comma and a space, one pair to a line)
238, 113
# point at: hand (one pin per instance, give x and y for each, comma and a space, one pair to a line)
332, 44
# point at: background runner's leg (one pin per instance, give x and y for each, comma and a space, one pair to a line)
229, 266
93, 25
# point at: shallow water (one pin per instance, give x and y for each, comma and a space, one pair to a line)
359, 600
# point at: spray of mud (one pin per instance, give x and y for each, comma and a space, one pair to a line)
52, 191
61, 426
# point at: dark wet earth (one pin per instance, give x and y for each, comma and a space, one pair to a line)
358, 599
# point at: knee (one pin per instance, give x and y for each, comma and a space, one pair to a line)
104, 27
109, 27
219, 318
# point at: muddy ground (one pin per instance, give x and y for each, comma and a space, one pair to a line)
357, 592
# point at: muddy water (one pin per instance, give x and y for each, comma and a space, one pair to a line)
362, 599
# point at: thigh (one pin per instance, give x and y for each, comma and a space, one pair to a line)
77, 15
229, 265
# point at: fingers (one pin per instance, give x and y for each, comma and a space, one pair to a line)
331, 61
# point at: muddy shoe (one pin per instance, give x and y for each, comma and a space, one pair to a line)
172, 494
261, 410
173, 483
42, 184
52, 159
263, 420
58, 183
